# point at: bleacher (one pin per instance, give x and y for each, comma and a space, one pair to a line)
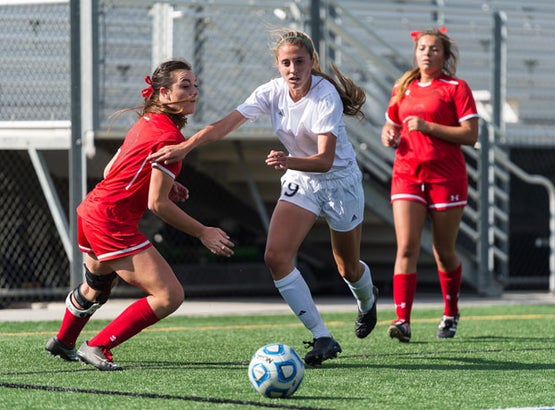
227, 43
530, 50
235, 55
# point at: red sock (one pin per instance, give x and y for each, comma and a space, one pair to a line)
131, 321
404, 289
71, 328
450, 283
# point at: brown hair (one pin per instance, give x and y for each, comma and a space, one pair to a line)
163, 76
352, 96
449, 66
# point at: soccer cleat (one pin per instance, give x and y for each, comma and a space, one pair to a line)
98, 356
399, 330
447, 327
366, 322
323, 348
57, 348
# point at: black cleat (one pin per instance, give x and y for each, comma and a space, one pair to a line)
447, 327
324, 348
399, 330
57, 348
366, 322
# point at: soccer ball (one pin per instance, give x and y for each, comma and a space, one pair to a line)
276, 370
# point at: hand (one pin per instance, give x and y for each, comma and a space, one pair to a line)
277, 159
178, 193
415, 123
217, 241
168, 154
391, 137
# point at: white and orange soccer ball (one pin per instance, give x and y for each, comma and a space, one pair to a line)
276, 370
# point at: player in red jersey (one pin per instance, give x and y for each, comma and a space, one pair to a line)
108, 220
430, 115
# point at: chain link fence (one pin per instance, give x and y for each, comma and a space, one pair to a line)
35, 87
227, 43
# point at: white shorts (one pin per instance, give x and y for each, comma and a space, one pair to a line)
338, 195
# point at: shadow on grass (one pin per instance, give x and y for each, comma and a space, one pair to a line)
544, 340
458, 360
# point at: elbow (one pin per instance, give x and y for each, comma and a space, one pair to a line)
325, 166
472, 132
155, 206
472, 139
152, 206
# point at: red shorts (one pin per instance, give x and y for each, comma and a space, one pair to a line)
107, 243
435, 196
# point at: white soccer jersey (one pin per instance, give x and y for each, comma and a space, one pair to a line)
298, 124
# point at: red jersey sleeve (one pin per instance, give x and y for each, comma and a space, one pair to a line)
392, 112
168, 139
463, 99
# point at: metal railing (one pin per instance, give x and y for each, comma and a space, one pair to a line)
484, 231
497, 167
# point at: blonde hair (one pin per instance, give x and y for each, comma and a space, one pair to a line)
352, 96
450, 52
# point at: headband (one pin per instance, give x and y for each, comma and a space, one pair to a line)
304, 40
416, 34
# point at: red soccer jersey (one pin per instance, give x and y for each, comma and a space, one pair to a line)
447, 101
121, 199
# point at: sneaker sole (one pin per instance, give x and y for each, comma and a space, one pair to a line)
317, 360
61, 355
448, 335
395, 333
115, 367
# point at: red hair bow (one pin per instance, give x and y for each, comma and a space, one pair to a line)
416, 34
147, 92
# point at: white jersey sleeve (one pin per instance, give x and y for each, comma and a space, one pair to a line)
298, 124
259, 102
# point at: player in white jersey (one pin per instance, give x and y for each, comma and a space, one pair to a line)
321, 176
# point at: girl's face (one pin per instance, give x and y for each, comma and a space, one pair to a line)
184, 90
295, 66
430, 56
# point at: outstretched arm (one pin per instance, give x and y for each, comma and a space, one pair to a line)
210, 133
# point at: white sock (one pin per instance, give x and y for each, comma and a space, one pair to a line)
295, 292
362, 290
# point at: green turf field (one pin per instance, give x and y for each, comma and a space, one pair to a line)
502, 357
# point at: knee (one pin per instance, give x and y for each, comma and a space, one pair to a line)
445, 257
83, 301
351, 271
174, 298
178, 297
86, 298
408, 251
272, 259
